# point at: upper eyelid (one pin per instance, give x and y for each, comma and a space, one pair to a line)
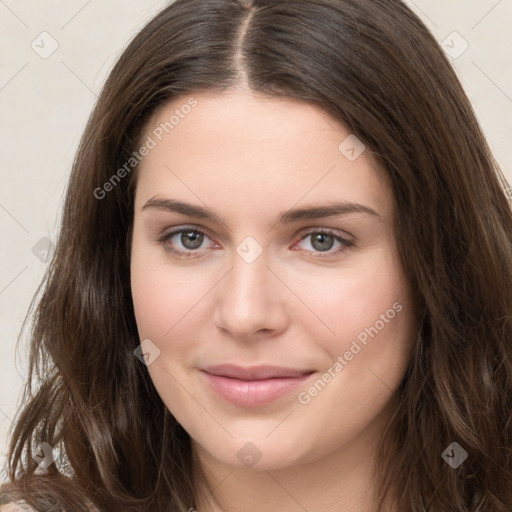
335, 232
180, 229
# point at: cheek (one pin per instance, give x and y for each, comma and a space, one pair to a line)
353, 299
164, 295
167, 302
373, 319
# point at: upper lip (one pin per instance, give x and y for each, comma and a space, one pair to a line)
255, 372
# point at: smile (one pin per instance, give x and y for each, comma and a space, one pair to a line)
253, 391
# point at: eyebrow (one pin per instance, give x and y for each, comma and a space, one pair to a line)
286, 217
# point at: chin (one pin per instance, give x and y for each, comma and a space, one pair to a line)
257, 454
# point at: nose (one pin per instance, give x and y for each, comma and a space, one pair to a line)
250, 300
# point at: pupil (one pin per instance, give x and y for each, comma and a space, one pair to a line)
325, 241
191, 239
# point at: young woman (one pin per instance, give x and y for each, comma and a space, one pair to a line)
283, 279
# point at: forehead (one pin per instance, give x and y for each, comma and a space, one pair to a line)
239, 150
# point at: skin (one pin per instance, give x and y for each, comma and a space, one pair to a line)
249, 158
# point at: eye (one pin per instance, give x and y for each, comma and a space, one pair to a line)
323, 241
184, 242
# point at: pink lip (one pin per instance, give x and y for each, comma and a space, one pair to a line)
253, 387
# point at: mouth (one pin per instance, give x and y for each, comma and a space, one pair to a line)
255, 386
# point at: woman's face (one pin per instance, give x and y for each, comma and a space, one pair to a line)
276, 318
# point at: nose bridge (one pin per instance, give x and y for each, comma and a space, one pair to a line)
249, 299
249, 277
247, 289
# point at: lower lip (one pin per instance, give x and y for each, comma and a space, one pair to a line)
253, 393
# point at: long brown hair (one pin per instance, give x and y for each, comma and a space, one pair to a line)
374, 66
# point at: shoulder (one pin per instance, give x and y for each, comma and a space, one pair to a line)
21, 507
16, 507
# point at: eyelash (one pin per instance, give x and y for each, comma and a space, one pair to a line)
164, 241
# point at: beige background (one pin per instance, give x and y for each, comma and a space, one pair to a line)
45, 102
